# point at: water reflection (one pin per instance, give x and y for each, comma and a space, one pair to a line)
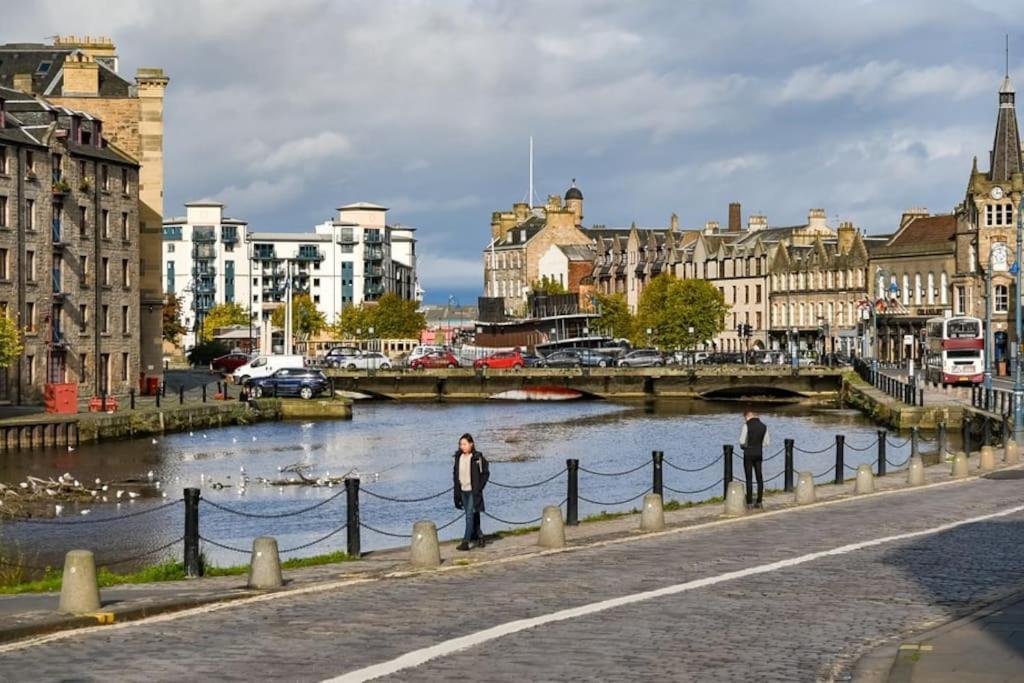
404, 450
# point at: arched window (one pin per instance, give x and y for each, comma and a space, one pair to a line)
918, 289
931, 289
821, 313
842, 281
881, 287
831, 314
906, 289
800, 315
943, 289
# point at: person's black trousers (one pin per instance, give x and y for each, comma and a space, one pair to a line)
752, 466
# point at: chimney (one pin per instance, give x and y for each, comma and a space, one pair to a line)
846, 234
23, 82
757, 222
81, 75
816, 219
711, 227
913, 214
554, 202
735, 217
521, 211
673, 222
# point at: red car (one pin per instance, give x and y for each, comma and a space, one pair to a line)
503, 360
229, 362
437, 359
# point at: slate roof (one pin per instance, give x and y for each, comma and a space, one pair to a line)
926, 229
31, 58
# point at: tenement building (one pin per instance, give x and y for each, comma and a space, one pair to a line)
69, 250
82, 74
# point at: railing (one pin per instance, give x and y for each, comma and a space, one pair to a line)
373, 253
999, 401
374, 290
309, 254
56, 282
204, 270
204, 234
906, 392
56, 231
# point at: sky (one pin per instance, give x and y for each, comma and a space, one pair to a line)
287, 110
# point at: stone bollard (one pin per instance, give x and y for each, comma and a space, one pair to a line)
1012, 453
424, 550
805, 488
552, 528
652, 517
915, 471
960, 465
79, 590
865, 480
987, 458
735, 500
265, 564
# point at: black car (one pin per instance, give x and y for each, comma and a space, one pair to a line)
532, 360
562, 359
303, 382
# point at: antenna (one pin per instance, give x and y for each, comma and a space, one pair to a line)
1007, 36
529, 197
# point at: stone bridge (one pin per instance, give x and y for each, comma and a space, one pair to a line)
725, 382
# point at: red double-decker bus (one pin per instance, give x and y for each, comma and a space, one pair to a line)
954, 350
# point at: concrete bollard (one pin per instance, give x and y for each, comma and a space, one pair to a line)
265, 564
79, 590
960, 465
987, 458
652, 517
552, 528
1012, 453
865, 480
915, 471
805, 488
424, 551
736, 500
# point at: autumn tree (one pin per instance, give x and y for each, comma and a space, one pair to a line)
391, 317
307, 320
10, 342
615, 318
173, 329
679, 313
220, 316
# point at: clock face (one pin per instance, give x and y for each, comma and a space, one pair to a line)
997, 192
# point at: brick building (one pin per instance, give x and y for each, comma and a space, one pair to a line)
69, 250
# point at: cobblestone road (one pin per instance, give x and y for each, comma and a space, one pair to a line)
802, 623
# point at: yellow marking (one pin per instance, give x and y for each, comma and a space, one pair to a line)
910, 646
103, 617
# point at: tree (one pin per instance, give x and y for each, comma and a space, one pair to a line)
547, 285
391, 318
222, 315
670, 308
307, 320
204, 352
10, 342
615, 318
353, 323
173, 329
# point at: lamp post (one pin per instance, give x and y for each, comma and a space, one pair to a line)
795, 345
1018, 380
693, 342
988, 323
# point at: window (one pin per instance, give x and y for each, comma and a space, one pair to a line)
959, 299
125, 186
124, 367
30, 266
83, 220
170, 248
126, 280
83, 360
30, 317
124, 227
1002, 299
943, 289
3, 160
125, 322
4, 264
918, 289
316, 298
3, 211
316, 282
906, 289
757, 294
106, 319
83, 317
931, 288
30, 214
105, 178
106, 271
105, 220
82, 168
30, 361
30, 163
83, 268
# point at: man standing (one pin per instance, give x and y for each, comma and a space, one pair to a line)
753, 440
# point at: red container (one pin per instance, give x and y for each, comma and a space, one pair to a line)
61, 398
152, 386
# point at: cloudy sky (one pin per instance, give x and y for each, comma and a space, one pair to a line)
286, 110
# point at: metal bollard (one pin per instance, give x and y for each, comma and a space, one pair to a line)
352, 517
882, 436
914, 434
657, 483
163, 388
103, 401
942, 440
131, 398
727, 472
158, 398
572, 492
181, 394
966, 432
840, 454
787, 478
204, 393
193, 568
986, 431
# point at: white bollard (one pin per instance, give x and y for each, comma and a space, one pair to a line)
961, 468
265, 564
424, 550
987, 458
652, 517
915, 471
79, 590
805, 488
735, 500
1012, 453
865, 480
552, 528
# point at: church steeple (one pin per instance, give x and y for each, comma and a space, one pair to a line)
1006, 157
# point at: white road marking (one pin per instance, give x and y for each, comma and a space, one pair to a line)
448, 647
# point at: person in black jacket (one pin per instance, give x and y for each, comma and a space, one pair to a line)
754, 439
470, 473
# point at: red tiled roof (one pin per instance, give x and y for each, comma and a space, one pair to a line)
927, 229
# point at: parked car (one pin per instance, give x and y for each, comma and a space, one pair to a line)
532, 360
592, 358
336, 357
229, 362
303, 382
265, 366
436, 359
370, 360
562, 359
502, 360
642, 358
425, 350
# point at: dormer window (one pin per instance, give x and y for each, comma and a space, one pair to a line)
44, 68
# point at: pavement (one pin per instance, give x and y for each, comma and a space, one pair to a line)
793, 593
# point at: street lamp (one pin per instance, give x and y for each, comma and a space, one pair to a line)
795, 363
988, 323
1018, 380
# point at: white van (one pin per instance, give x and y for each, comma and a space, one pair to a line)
264, 366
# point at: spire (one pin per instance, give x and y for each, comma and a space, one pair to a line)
1006, 158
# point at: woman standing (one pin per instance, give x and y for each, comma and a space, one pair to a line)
470, 473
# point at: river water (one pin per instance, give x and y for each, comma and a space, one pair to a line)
403, 450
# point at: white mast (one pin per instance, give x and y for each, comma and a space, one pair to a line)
529, 197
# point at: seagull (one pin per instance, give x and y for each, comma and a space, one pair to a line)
105, 487
254, 438
98, 482
242, 469
104, 499
71, 449
133, 494
164, 494
118, 493
307, 425
57, 509
85, 512
191, 434
78, 483
158, 485
25, 486
234, 439
204, 436
154, 442
150, 475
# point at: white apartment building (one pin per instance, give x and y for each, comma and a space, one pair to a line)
212, 259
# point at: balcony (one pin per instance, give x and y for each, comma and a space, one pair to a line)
57, 338
373, 254
59, 186
309, 252
264, 252
58, 234
58, 291
373, 271
229, 234
172, 233
204, 233
372, 237
205, 251
204, 270
205, 287
373, 291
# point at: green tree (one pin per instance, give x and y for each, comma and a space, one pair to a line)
307, 320
353, 323
670, 308
615, 318
222, 315
204, 352
547, 285
173, 329
10, 342
397, 318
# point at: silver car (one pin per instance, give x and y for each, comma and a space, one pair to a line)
642, 358
368, 360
